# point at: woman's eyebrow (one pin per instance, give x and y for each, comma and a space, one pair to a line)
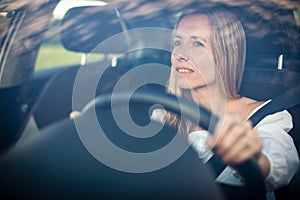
177, 37
192, 37
199, 38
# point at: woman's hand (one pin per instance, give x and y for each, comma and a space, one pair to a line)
74, 114
235, 141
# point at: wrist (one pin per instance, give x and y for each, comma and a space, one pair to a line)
263, 163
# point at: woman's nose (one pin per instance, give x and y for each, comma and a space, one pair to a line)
182, 58
180, 55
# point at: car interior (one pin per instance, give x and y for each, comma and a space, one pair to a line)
69, 170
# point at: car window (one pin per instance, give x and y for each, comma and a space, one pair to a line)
52, 52
4, 21
297, 17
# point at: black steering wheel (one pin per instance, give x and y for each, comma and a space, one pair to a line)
253, 188
57, 158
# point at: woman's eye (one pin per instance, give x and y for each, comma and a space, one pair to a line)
198, 44
177, 43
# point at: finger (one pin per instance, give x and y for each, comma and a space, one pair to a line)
235, 132
223, 126
248, 125
253, 148
238, 147
235, 140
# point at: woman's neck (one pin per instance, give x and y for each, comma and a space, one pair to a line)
211, 98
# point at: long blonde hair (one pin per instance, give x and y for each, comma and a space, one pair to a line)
228, 45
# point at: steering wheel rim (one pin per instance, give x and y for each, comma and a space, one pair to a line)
249, 170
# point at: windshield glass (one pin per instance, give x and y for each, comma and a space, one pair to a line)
78, 26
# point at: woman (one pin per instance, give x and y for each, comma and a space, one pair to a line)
207, 65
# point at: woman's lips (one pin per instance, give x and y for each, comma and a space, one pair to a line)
184, 70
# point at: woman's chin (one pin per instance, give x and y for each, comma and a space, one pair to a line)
188, 86
184, 85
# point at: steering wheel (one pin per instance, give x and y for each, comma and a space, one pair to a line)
253, 188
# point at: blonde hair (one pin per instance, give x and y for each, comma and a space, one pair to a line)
228, 45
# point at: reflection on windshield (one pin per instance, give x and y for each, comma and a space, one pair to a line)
269, 25
4, 20
27, 29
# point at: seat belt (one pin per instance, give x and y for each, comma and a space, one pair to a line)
287, 100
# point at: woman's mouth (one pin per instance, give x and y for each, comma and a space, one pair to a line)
184, 70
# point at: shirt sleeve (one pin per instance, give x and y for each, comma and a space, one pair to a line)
279, 148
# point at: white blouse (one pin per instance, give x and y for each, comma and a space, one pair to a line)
278, 147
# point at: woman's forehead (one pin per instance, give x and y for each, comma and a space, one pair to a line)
194, 20
196, 25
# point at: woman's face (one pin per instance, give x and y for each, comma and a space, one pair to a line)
192, 57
